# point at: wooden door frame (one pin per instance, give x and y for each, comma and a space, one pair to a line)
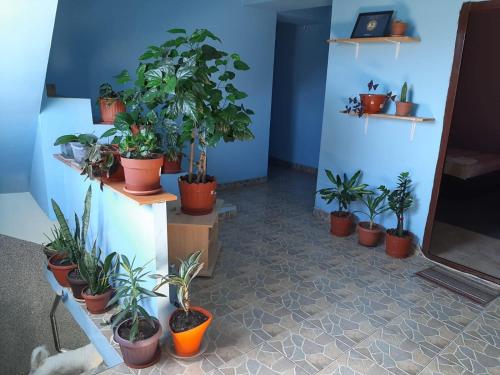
448, 116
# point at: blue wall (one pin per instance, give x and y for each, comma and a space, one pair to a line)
386, 150
25, 37
301, 59
83, 56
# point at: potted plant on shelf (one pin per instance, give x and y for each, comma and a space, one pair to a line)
103, 162
398, 240
368, 231
188, 323
56, 244
345, 190
98, 275
80, 144
110, 103
369, 103
398, 28
172, 156
62, 263
135, 330
404, 107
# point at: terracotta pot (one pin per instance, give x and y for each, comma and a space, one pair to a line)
397, 247
368, 237
109, 109
197, 199
118, 174
404, 108
135, 129
97, 304
341, 224
141, 353
142, 176
187, 343
372, 103
77, 284
170, 167
398, 28
61, 271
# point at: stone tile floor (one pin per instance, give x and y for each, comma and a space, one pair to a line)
289, 298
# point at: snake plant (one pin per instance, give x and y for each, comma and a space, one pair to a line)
95, 272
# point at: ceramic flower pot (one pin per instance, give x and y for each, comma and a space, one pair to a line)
97, 304
66, 151
59, 270
141, 353
142, 176
109, 108
398, 28
397, 247
372, 103
76, 283
197, 198
404, 108
170, 167
369, 237
80, 152
188, 343
341, 224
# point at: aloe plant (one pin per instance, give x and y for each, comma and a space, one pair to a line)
374, 205
345, 190
188, 270
75, 241
95, 272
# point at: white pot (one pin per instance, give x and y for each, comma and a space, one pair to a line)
80, 152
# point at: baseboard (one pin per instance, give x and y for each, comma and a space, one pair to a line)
295, 166
242, 183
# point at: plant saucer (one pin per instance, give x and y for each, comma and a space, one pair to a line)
171, 350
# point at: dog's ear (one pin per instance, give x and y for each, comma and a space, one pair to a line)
38, 356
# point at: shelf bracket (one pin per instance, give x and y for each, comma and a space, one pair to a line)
366, 125
398, 48
356, 51
412, 131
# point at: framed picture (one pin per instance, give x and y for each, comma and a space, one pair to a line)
372, 25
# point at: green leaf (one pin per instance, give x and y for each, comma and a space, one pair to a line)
109, 133
240, 65
177, 31
123, 77
66, 139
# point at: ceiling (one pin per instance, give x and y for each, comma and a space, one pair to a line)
287, 5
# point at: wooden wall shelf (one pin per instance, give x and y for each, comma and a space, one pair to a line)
396, 40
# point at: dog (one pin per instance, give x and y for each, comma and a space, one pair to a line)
82, 361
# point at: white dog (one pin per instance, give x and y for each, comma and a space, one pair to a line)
82, 361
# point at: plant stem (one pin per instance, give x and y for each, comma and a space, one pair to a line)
191, 158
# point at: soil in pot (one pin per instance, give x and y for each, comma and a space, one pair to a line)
369, 237
341, 224
372, 103
187, 343
170, 167
60, 267
76, 283
109, 108
397, 247
403, 108
142, 176
143, 352
197, 198
97, 304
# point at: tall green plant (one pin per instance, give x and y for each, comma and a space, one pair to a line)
75, 241
188, 270
404, 93
345, 190
400, 200
96, 273
374, 205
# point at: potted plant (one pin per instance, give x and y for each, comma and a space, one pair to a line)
404, 107
398, 28
110, 103
62, 263
345, 190
368, 231
398, 240
172, 156
98, 275
188, 323
135, 330
103, 162
80, 144
369, 103
56, 244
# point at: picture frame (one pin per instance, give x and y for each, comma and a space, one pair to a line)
373, 24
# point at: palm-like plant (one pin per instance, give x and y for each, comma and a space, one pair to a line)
374, 205
400, 200
95, 272
345, 190
130, 292
188, 270
75, 242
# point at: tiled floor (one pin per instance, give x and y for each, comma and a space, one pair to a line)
289, 298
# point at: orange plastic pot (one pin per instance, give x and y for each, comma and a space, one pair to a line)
197, 198
341, 224
403, 108
398, 28
397, 247
368, 237
170, 167
187, 343
142, 176
109, 108
61, 271
372, 103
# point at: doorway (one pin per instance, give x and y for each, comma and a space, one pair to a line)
300, 66
463, 228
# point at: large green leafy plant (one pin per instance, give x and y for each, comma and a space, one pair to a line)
96, 272
345, 190
75, 241
400, 200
